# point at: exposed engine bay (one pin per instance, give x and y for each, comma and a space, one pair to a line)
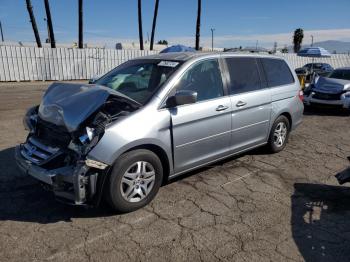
68, 123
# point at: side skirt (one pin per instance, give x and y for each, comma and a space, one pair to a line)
216, 160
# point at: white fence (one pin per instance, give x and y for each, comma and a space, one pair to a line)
32, 63
337, 60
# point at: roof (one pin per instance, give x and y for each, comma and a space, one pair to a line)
178, 56
185, 56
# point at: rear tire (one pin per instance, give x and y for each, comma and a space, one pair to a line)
279, 134
134, 181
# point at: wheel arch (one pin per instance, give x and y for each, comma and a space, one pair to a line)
288, 116
159, 152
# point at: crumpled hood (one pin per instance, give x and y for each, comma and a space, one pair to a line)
331, 85
69, 105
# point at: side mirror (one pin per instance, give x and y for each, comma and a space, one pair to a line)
181, 97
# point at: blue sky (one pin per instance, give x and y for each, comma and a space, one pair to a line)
236, 22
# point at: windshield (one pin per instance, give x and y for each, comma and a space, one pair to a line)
340, 74
316, 66
139, 79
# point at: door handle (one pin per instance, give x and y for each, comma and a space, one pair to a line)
240, 103
221, 108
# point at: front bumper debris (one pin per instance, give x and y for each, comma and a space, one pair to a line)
73, 184
342, 101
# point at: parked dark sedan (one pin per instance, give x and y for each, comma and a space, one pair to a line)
322, 69
332, 90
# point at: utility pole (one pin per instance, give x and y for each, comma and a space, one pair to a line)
48, 31
256, 45
198, 23
32, 20
312, 40
274, 50
80, 45
139, 13
2, 34
212, 38
154, 24
49, 23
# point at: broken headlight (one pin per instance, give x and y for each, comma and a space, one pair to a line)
30, 119
88, 136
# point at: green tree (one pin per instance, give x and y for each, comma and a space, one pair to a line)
284, 50
162, 42
298, 39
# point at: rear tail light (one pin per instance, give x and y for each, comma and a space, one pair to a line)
301, 95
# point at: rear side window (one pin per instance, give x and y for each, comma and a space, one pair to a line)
244, 74
277, 72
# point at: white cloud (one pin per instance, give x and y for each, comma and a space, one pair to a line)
266, 40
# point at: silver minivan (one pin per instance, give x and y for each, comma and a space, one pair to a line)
154, 118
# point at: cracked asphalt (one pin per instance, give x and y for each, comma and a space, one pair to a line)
253, 207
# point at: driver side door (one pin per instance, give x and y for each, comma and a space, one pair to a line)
202, 130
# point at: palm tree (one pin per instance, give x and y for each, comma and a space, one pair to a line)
154, 23
80, 13
49, 23
198, 25
140, 24
298, 39
32, 20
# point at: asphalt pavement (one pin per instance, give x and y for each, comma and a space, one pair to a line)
253, 207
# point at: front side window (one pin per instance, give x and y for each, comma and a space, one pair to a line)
244, 74
203, 78
139, 80
340, 74
277, 72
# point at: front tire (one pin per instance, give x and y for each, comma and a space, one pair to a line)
279, 134
134, 181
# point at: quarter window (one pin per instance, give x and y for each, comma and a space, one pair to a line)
203, 78
277, 72
244, 74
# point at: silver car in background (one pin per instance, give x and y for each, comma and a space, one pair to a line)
154, 118
332, 90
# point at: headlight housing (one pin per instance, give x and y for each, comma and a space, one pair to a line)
347, 95
88, 136
30, 119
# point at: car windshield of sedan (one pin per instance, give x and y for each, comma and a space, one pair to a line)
315, 66
340, 74
139, 79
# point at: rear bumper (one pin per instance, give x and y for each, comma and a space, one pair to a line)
71, 184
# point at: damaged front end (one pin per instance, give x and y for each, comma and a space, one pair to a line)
69, 122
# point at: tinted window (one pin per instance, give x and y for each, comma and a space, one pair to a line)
244, 74
203, 78
277, 72
340, 74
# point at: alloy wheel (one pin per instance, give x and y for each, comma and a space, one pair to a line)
280, 134
138, 181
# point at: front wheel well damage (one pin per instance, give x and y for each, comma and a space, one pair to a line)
160, 153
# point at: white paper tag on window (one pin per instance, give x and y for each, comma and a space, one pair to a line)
168, 63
